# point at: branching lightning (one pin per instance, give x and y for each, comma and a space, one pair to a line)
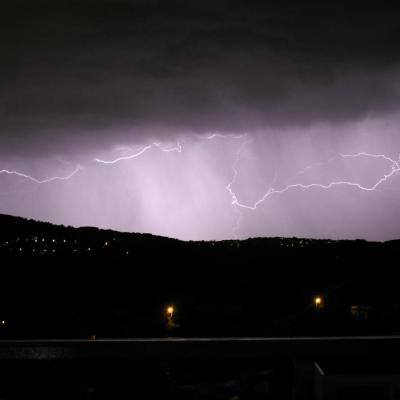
239, 206
394, 164
395, 168
176, 148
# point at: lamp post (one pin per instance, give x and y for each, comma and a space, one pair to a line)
170, 311
318, 302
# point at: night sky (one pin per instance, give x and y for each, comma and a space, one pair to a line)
207, 120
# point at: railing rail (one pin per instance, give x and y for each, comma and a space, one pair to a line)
181, 349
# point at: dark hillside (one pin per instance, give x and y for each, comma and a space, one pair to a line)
76, 282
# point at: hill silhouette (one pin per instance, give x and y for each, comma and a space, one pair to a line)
73, 282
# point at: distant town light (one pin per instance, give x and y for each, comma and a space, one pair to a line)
3, 322
318, 301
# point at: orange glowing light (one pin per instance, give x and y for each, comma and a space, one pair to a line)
170, 311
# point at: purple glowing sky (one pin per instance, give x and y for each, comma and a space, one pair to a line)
202, 122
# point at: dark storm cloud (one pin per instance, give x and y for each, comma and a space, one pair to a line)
96, 73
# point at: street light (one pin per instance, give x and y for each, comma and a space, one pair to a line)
170, 311
318, 302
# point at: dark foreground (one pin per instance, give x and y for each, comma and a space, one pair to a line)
206, 368
62, 282
248, 310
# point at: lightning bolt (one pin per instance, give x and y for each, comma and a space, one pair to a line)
177, 148
223, 136
41, 181
394, 164
239, 206
130, 157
